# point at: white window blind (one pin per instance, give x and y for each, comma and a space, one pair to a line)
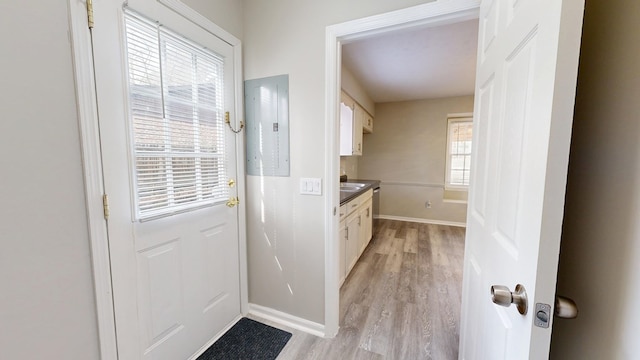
176, 105
459, 152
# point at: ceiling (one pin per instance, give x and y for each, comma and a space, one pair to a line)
414, 64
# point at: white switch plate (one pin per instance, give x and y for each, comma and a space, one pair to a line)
311, 186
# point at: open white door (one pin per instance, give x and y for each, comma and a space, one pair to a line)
163, 86
525, 87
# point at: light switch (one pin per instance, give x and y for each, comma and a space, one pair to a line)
310, 186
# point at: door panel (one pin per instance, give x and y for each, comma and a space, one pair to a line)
176, 276
160, 284
523, 116
484, 130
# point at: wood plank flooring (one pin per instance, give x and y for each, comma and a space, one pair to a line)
400, 301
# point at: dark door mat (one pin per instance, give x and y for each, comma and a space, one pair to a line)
250, 340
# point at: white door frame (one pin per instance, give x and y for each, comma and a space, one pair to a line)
92, 162
440, 12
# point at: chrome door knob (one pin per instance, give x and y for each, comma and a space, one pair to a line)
565, 308
501, 295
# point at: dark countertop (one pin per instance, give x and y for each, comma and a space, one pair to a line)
345, 196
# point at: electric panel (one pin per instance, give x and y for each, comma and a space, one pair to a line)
267, 125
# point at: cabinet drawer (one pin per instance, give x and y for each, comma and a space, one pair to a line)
356, 203
353, 205
343, 211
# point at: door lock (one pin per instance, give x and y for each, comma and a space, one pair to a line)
233, 202
564, 308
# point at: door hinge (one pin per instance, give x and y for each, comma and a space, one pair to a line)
105, 206
90, 13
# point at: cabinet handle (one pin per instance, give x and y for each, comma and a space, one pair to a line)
367, 212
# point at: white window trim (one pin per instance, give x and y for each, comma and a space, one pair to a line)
454, 118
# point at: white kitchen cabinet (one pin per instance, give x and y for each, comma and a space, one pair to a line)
366, 226
367, 124
342, 249
352, 226
342, 272
356, 221
358, 120
351, 118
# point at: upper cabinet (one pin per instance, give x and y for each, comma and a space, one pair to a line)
354, 120
350, 127
367, 124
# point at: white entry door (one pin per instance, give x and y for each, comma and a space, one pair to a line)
525, 88
164, 85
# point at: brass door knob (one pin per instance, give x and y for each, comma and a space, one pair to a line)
233, 202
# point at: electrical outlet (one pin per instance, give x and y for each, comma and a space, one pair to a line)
428, 204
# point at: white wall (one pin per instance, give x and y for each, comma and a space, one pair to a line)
599, 263
286, 230
349, 166
225, 13
352, 86
46, 303
407, 152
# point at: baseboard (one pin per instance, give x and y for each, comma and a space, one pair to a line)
422, 221
285, 319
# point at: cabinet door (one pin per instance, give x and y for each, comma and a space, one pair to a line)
346, 129
342, 258
366, 229
353, 240
358, 119
367, 125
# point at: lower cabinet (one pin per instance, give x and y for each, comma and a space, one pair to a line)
366, 227
356, 222
353, 240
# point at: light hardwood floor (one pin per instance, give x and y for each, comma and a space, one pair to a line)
400, 301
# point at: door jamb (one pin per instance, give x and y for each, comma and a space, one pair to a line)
435, 13
86, 98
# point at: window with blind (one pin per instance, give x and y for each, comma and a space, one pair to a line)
458, 153
176, 120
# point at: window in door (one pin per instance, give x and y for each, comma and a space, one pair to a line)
458, 153
176, 120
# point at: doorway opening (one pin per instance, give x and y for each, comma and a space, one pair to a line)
428, 15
